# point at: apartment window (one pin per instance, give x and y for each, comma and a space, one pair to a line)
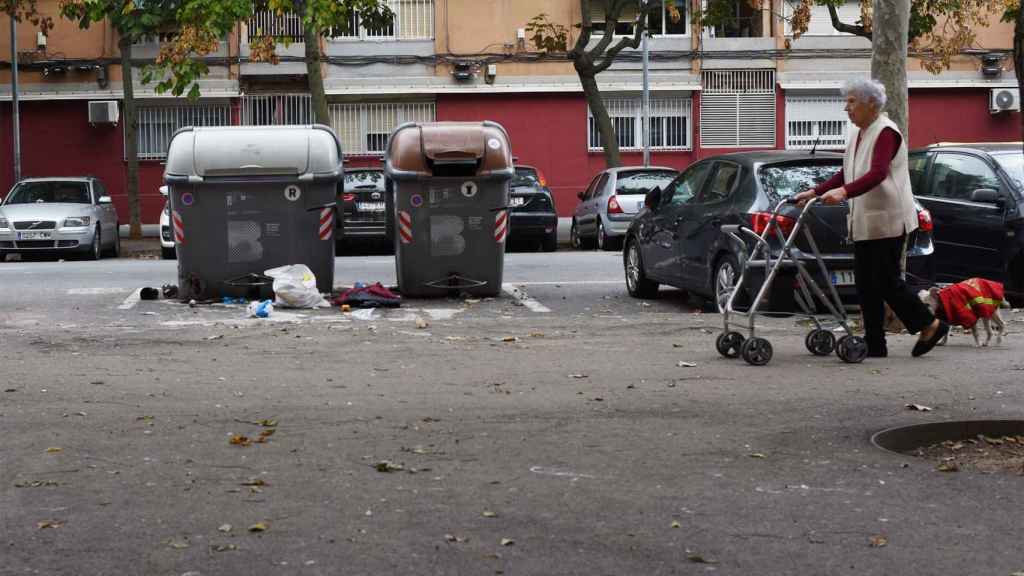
158, 123
821, 21
364, 128
660, 22
414, 20
745, 21
624, 26
817, 122
285, 26
737, 109
276, 109
669, 127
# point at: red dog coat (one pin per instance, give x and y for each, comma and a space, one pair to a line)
966, 302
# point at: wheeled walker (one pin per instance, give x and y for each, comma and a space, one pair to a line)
821, 340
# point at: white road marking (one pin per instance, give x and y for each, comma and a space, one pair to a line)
95, 291
525, 299
567, 283
131, 300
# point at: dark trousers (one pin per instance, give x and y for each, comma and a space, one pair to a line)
878, 269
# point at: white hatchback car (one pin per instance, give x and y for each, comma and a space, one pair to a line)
167, 251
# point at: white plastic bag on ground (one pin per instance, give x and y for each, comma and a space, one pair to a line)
295, 287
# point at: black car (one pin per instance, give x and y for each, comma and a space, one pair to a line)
677, 239
532, 215
361, 205
974, 193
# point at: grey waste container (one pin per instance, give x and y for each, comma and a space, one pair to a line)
247, 199
447, 201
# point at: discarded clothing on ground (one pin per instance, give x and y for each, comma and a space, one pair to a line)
369, 296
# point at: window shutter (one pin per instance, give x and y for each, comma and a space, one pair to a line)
816, 118
738, 109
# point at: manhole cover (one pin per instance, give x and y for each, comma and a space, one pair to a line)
972, 445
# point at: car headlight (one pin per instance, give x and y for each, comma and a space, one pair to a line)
77, 222
4, 224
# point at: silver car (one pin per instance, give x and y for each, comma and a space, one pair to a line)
611, 201
57, 215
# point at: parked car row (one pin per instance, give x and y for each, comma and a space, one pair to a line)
59, 215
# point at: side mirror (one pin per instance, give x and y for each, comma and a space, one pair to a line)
653, 198
987, 196
163, 191
105, 200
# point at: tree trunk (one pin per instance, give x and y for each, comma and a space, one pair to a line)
889, 56
1018, 57
131, 139
604, 122
315, 76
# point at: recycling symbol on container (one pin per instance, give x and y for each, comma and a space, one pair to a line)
469, 189
292, 193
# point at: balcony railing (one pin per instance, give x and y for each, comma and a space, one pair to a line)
284, 27
414, 20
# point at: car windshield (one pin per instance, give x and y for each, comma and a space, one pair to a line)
785, 180
525, 177
642, 182
50, 192
364, 179
1012, 163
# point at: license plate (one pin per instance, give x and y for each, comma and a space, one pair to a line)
34, 236
843, 278
370, 206
517, 201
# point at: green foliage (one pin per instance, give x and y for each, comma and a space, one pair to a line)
547, 36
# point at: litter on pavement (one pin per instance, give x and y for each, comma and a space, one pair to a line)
369, 296
295, 287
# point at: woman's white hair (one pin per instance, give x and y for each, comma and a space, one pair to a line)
866, 90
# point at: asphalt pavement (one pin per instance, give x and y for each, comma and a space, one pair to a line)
560, 428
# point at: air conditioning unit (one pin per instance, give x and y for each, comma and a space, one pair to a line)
1004, 100
103, 112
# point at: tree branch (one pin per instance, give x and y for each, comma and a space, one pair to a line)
847, 28
638, 31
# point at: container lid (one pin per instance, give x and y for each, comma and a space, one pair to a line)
295, 151
415, 150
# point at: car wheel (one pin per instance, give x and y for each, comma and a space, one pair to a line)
727, 272
604, 242
637, 283
96, 249
574, 237
168, 253
550, 241
3, 256
115, 248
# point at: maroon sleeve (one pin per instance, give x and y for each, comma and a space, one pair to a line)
886, 146
831, 184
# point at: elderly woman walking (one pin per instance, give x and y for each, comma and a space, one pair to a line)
876, 182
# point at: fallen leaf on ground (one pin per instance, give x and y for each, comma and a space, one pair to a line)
682, 364
536, 334
217, 337
948, 467
489, 514
453, 538
254, 482
177, 545
54, 449
990, 439
258, 527
49, 524
267, 422
677, 345
757, 455
676, 524
699, 559
388, 466
422, 324
878, 541
36, 483
578, 376
507, 542
918, 407
239, 440
223, 547
224, 528
510, 339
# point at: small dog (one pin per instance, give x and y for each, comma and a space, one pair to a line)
965, 304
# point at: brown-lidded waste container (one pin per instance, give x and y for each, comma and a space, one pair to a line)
447, 200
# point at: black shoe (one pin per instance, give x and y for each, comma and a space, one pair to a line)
883, 353
924, 346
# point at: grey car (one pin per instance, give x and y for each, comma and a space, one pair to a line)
58, 215
611, 201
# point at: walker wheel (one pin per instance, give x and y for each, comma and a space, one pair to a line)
756, 351
729, 344
852, 349
820, 342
